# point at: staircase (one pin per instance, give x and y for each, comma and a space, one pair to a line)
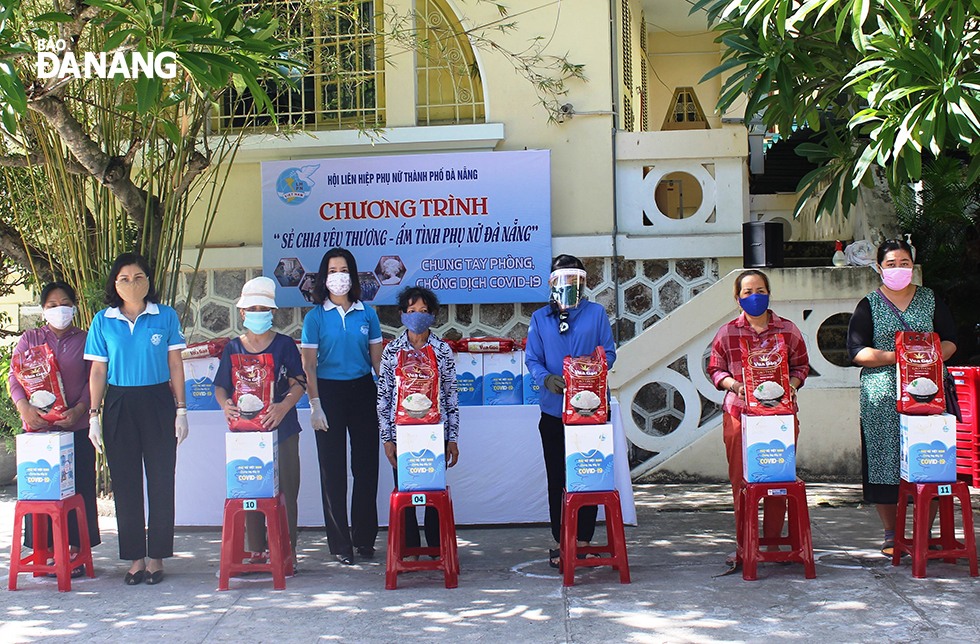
665, 365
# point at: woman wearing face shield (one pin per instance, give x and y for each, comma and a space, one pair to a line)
67, 343
568, 326
134, 347
725, 371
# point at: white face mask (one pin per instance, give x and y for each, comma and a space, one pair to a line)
338, 283
59, 316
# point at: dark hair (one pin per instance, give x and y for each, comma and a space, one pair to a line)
890, 245
127, 259
411, 294
567, 261
744, 274
320, 292
58, 286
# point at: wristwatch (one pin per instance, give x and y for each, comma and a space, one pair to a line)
93, 412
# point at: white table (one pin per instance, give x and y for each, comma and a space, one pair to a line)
500, 477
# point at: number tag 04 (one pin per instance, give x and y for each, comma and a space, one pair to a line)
249, 504
418, 499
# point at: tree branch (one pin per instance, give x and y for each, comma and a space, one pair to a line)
196, 164
30, 259
110, 171
35, 159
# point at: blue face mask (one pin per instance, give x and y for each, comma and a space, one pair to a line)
418, 322
258, 322
755, 304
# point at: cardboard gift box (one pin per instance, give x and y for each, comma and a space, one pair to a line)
252, 464
199, 383
927, 447
421, 457
768, 448
589, 458
45, 466
502, 378
469, 379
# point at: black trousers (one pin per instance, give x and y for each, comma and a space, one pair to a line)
85, 487
138, 432
351, 407
412, 537
553, 443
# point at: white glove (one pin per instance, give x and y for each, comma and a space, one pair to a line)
95, 432
180, 425
317, 418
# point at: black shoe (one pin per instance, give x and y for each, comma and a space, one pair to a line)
347, 560
134, 578
154, 578
365, 552
78, 571
554, 558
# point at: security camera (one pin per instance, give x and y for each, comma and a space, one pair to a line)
567, 109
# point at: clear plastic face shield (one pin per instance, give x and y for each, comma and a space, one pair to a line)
567, 285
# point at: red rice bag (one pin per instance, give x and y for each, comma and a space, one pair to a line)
253, 379
765, 373
586, 391
36, 369
485, 345
919, 361
417, 387
206, 349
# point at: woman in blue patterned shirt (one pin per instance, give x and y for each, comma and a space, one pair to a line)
418, 307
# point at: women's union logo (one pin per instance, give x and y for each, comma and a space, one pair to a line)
294, 185
53, 61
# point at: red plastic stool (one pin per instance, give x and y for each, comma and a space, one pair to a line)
37, 561
918, 545
750, 544
280, 562
615, 536
448, 560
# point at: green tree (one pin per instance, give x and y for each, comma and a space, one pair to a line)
97, 166
888, 82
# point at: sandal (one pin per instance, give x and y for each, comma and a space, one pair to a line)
888, 548
554, 557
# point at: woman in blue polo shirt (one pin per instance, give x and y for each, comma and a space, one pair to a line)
341, 343
134, 347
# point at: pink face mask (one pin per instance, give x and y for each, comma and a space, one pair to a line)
896, 278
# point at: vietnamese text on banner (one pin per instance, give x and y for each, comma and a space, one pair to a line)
473, 227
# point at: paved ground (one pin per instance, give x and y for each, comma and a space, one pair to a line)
508, 594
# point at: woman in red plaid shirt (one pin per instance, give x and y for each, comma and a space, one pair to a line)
725, 371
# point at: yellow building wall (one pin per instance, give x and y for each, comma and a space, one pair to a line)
581, 161
681, 60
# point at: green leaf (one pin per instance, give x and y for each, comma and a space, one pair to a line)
53, 16
172, 132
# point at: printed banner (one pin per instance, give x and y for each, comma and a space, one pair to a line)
473, 227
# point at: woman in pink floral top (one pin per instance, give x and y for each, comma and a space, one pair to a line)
67, 341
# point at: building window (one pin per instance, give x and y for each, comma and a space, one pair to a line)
685, 112
627, 122
450, 90
644, 81
343, 87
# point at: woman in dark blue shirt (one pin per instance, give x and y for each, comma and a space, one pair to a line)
257, 305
